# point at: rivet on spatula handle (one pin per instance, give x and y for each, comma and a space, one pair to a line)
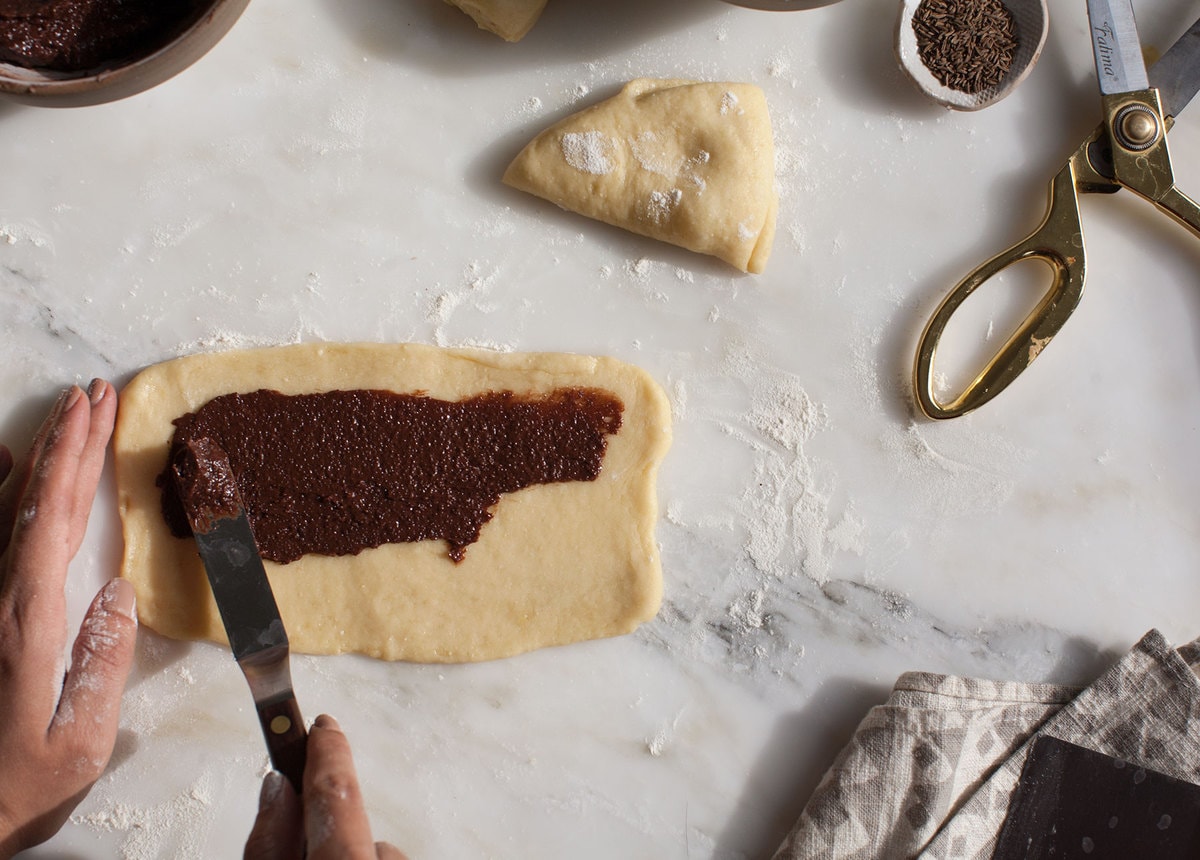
287, 739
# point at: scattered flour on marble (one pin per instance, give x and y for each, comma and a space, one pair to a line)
798, 237
679, 397
787, 505
639, 268
747, 609
779, 66
952, 469
952, 473
177, 827
496, 224
226, 339
474, 293
349, 116
658, 742
640, 273
14, 234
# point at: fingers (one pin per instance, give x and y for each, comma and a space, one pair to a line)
334, 826
41, 535
335, 820
101, 411
33, 569
89, 710
51, 514
18, 476
278, 832
102, 399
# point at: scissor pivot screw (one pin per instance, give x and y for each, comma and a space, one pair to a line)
1136, 127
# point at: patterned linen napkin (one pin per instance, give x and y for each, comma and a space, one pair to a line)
929, 774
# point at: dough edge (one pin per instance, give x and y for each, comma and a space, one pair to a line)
523, 585
511, 20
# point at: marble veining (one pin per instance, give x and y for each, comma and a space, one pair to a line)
331, 172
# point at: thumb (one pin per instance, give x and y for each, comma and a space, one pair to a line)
100, 663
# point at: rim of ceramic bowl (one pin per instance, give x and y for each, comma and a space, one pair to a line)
782, 5
123, 79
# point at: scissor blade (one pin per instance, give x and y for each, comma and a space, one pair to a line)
1118, 50
1177, 74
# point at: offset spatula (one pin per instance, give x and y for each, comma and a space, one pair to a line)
239, 583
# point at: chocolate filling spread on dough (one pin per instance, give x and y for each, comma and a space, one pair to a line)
76, 35
338, 472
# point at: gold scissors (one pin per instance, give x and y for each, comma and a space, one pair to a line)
1128, 150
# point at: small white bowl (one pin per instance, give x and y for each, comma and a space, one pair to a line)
1032, 21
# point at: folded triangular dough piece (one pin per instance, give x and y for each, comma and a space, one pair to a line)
690, 163
508, 19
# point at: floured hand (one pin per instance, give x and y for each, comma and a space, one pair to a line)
57, 725
328, 818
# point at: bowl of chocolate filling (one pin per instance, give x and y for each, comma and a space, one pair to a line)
70, 53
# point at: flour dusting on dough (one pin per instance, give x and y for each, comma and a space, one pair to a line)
662, 204
651, 154
656, 156
589, 151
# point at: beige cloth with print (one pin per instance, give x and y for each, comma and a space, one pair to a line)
929, 774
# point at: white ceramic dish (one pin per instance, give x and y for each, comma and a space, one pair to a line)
1032, 23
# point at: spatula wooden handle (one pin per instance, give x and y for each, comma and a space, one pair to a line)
287, 739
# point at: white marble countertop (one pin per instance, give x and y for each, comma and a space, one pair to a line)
330, 171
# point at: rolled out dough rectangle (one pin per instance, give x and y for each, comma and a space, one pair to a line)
559, 563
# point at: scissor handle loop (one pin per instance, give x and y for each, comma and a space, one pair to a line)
1058, 242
